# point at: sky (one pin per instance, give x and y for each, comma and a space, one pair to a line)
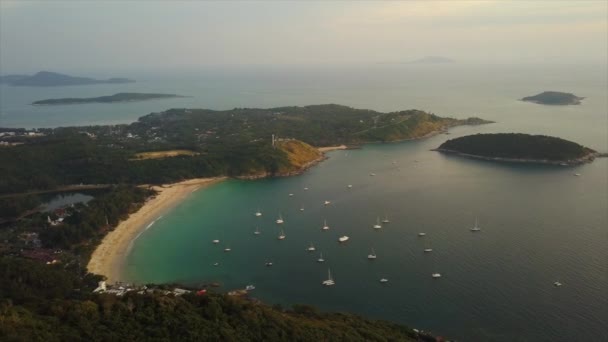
148, 34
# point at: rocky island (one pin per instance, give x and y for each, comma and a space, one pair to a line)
119, 97
555, 98
521, 148
53, 79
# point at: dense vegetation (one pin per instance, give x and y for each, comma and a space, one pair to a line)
50, 79
46, 303
232, 143
517, 146
118, 97
554, 98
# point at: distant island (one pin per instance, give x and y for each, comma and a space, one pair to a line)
119, 97
432, 60
554, 98
518, 147
53, 79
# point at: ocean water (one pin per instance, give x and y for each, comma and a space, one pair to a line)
540, 224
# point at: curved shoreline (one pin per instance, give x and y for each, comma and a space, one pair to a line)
570, 162
109, 256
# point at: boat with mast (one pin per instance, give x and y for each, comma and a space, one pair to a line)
258, 213
257, 231
377, 225
330, 281
321, 258
311, 248
386, 220
325, 226
372, 254
476, 227
280, 219
281, 235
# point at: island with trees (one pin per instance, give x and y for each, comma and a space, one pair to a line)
54, 79
521, 148
555, 98
119, 97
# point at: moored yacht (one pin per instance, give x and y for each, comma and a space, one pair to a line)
372, 255
476, 227
325, 226
330, 281
377, 225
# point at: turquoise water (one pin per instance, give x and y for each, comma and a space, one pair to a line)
539, 224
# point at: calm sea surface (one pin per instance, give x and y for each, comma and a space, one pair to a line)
539, 224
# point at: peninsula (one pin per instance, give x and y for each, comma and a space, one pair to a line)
119, 97
53, 79
521, 148
555, 98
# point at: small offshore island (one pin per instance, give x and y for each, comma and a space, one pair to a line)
520, 148
118, 97
554, 98
54, 79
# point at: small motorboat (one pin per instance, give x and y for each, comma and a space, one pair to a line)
249, 287
384, 280
436, 275
343, 238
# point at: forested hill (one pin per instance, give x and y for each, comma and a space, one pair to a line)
46, 303
193, 143
317, 125
518, 146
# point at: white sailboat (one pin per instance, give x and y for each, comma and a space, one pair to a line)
227, 249
302, 208
386, 220
476, 227
311, 248
280, 219
372, 255
281, 235
257, 231
258, 213
327, 203
384, 280
321, 258
350, 186
377, 225
216, 241
325, 226
330, 281
436, 275
421, 234
343, 238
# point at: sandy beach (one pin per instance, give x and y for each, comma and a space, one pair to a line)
332, 148
107, 259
